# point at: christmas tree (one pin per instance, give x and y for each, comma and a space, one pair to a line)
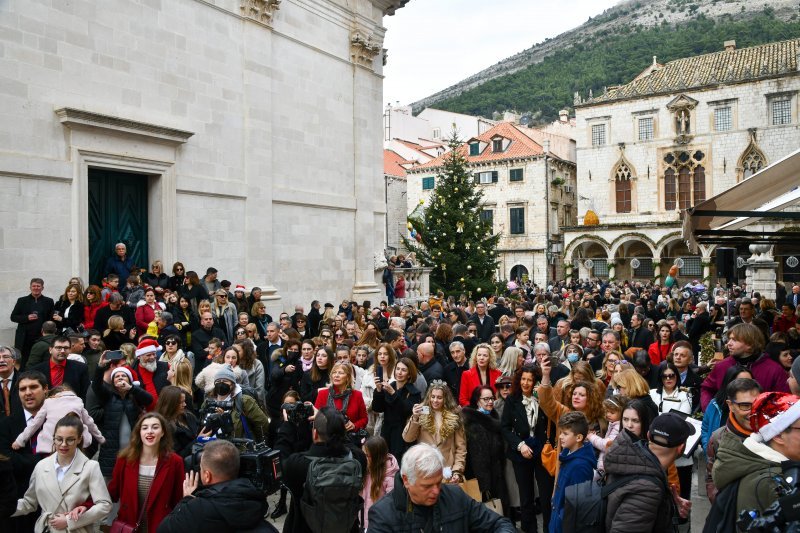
449, 234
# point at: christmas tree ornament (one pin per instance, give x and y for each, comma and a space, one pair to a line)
409, 226
459, 227
456, 189
467, 245
452, 245
478, 289
469, 267
462, 280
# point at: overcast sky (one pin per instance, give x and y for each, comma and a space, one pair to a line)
436, 43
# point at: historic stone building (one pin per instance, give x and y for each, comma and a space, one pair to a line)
239, 134
528, 181
677, 134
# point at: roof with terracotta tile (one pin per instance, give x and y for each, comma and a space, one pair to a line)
708, 70
520, 147
392, 162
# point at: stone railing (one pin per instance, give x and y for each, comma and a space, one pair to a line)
418, 282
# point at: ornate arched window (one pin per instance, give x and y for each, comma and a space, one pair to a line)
622, 186
752, 160
684, 179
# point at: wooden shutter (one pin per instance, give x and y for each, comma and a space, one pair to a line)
623, 189
699, 185
494, 176
669, 190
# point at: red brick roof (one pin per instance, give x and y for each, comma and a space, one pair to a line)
520, 147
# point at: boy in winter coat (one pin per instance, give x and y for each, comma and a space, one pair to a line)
577, 462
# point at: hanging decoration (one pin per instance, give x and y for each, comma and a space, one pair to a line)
635, 263
459, 227
792, 262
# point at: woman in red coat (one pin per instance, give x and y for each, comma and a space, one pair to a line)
660, 349
93, 302
148, 466
482, 371
343, 398
146, 312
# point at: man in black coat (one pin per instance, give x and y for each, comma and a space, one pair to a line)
224, 503
561, 338
59, 370
499, 310
460, 334
200, 338
314, 319
484, 322
457, 366
420, 498
429, 365
330, 440
116, 306
32, 391
30, 312
639, 336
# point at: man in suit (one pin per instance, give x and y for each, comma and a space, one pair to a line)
59, 370
639, 336
794, 298
9, 381
561, 338
30, 395
484, 322
30, 313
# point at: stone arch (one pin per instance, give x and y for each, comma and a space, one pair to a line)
574, 245
622, 239
752, 159
669, 238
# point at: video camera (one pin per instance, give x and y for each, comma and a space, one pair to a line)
257, 462
783, 516
220, 424
297, 412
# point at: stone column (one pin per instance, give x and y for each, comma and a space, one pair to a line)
365, 48
763, 271
259, 265
706, 260
657, 269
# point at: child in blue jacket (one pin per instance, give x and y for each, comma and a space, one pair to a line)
577, 462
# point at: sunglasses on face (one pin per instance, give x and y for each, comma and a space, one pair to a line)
326, 336
171, 342
504, 386
668, 376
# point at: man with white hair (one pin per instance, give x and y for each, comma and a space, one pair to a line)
420, 501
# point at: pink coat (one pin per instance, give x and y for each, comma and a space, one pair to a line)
603, 444
388, 485
53, 410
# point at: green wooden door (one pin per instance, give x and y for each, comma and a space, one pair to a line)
117, 213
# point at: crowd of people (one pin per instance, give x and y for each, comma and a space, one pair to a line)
108, 390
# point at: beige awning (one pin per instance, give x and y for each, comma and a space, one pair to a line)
769, 190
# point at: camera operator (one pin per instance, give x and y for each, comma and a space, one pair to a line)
247, 418
756, 461
330, 440
297, 434
224, 503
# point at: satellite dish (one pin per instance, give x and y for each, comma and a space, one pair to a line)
635, 263
678, 262
588, 263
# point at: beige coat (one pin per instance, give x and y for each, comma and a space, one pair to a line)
453, 447
82, 481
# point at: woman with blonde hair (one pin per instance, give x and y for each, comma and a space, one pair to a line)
116, 335
68, 311
483, 371
512, 360
631, 384
441, 426
609, 362
341, 396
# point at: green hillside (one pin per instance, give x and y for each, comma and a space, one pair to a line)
541, 90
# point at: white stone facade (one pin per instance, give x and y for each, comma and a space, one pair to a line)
650, 230
258, 122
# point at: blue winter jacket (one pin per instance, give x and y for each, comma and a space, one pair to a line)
576, 467
712, 420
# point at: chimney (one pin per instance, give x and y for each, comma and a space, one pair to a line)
730, 46
563, 116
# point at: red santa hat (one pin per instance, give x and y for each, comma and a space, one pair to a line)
147, 346
773, 413
124, 370
240, 288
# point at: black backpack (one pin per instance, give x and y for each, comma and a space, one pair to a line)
723, 514
331, 496
585, 503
